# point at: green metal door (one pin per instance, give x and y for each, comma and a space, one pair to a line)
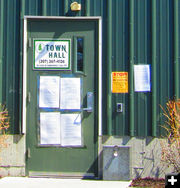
62, 97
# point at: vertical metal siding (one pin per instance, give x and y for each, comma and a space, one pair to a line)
10, 59
154, 67
120, 61
142, 55
109, 66
134, 32
164, 55
131, 64
1, 47
176, 47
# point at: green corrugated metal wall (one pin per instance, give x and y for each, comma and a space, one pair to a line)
134, 32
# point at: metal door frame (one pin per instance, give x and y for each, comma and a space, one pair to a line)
25, 43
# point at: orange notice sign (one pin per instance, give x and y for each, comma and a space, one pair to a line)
119, 82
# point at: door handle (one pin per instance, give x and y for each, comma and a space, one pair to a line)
90, 102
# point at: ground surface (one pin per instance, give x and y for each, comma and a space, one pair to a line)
148, 182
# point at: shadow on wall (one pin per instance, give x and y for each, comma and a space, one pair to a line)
17, 138
151, 161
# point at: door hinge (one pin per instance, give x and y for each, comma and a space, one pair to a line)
29, 43
29, 97
28, 153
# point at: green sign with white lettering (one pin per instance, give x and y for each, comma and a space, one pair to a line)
51, 54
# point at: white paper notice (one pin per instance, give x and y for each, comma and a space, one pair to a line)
70, 93
49, 128
142, 78
49, 92
71, 130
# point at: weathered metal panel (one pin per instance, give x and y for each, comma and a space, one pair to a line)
134, 32
165, 59
116, 162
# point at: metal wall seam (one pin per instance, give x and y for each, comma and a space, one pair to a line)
140, 54
117, 62
1, 48
170, 47
118, 128
15, 65
131, 64
123, 67
109, 67
146, 60
66, 4
9, 58
162, 67
87, 7
176, 48
52, 8
154, 79
44, 8
126, 64
12, 63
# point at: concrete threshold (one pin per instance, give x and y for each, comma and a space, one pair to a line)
25, 182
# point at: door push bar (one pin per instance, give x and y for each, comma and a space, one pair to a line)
90, 101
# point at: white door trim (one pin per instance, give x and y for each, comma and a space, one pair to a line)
25, 46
